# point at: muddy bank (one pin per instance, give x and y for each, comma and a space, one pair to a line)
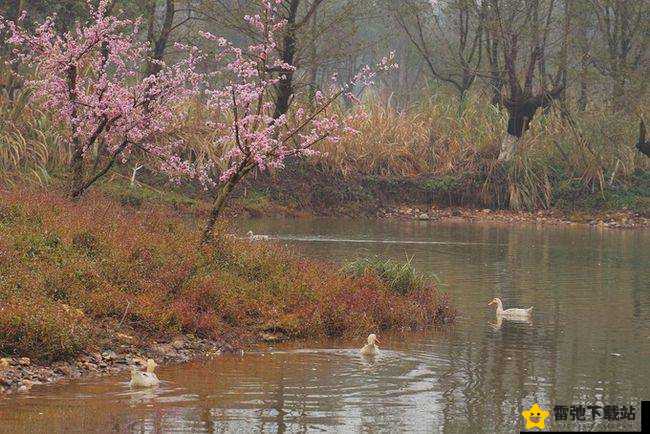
613, 220
304, 189
312, 189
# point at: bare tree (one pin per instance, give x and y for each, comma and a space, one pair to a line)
449, 38
624, 29
316, 36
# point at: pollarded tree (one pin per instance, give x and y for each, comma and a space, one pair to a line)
88, 78
525, 31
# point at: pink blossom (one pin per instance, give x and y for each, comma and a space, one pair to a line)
85, 78
254, 139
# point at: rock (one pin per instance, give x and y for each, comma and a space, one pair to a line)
5, 363
178, 343
456, 212
109, 355
24, 361
63, 369
86, 358
23, 389
423, 216
165, 350
272, 337
122, 359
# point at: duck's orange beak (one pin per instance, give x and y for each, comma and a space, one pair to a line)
377, 340
491, 303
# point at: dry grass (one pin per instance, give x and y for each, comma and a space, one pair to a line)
31, 146
558, 161
433, 139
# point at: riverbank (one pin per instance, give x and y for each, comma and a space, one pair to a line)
79, 278
308, 190
20, 374
623, 219
313, 188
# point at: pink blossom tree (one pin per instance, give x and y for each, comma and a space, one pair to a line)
88, 78
252, 137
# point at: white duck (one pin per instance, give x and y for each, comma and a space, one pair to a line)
253, 237
513, 313
370, 349
144, 379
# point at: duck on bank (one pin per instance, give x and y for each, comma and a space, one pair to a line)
255, 237
20, 374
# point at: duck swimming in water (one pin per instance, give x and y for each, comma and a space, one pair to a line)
513, 313
371, 349
144, 379
254, 237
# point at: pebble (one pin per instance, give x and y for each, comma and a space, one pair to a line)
109, 355
272, 337
178, 343
20, 374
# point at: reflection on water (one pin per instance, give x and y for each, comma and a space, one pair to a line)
588, 343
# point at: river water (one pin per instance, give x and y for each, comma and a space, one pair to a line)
588, 344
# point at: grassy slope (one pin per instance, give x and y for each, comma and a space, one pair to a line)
73, 275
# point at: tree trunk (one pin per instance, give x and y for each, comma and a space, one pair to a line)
215, 212
159, 44
77, 161
77, 166
220, 201
618, 92
520, 113
582, 98
508, 147
285, 85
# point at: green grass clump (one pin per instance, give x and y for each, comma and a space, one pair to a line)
399, 276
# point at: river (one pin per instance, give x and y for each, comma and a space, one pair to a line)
588, 344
